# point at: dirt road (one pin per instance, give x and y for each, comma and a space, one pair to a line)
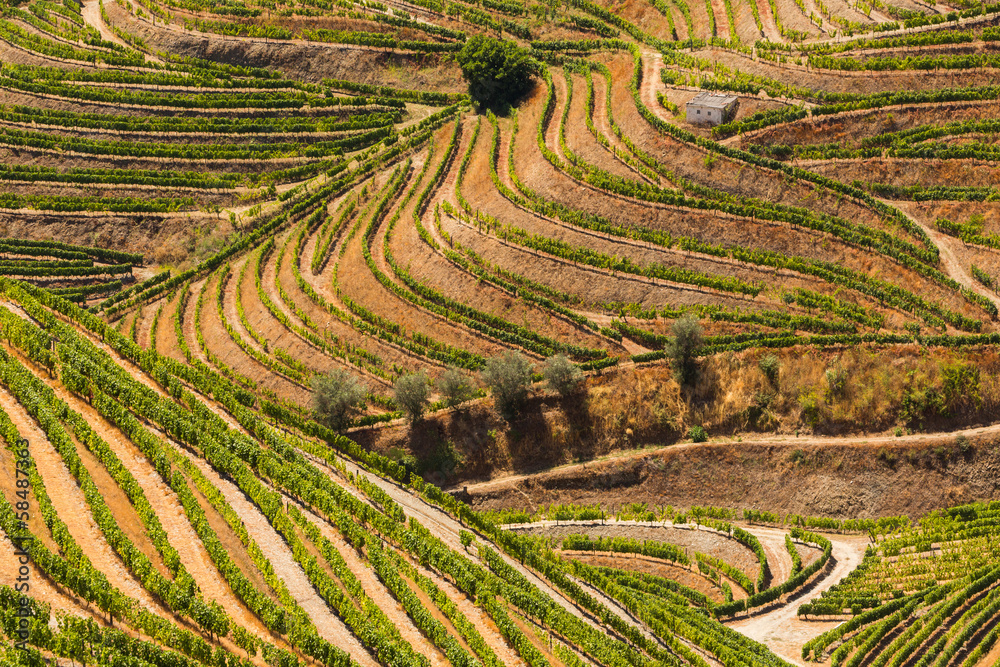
781, 630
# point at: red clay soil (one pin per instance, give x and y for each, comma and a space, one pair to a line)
218, 341
263, 322
537, 173
602, 124
36, 523
734, 177
358, 282
721, 17
578, 137
113, 495
432, 268
681, 575
793, 241
837, 478
72, 508
328, 323
544, 178
699, 17
168, 509
746, 26
690, 539
166, 335
771, 32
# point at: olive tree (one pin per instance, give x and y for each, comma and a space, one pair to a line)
411, 394
683, 347
508, 375
498, 70
337, 397
561, 374
455, 386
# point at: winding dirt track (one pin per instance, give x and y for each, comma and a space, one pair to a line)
780, 629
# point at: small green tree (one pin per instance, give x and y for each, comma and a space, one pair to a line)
770, 367
561, 374
411, 394
683, 346
498, 71
455, 386
508, 376
337, 396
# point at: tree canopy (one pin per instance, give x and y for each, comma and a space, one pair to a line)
498, 71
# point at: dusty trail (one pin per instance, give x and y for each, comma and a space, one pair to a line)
91, 12
952, 267
168, 509
778, 559
815, 440
276, 550
379, 594
780, 629
71, 506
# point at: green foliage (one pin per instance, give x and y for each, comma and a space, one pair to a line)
836, 380
411, 392
508, 375
562, 375
455, 386
337, 396
770, 367
698, 434
683, 348
498, 71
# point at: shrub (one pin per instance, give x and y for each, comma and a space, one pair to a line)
337, 396
770, 367
683, 347
697, 434
508, 376
455, 386
836, 381
562, 375
411, 394
498, 71
812, 409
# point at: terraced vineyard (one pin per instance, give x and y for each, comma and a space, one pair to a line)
209, 209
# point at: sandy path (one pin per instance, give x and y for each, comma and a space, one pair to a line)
511, 481
276, 550
778, 559
168, 509
379, 594
91, 12
780, 629
952, 267
71, 506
